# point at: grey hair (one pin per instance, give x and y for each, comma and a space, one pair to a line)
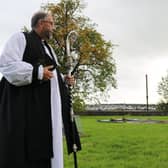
36, 17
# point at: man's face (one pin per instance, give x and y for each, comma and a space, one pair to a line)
47, 26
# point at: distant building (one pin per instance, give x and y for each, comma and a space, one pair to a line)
120, 107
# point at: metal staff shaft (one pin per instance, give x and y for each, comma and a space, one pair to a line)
73, 129
70, 69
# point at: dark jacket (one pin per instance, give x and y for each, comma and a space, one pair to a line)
25, 112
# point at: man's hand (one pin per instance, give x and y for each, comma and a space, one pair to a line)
47, 73
70, 80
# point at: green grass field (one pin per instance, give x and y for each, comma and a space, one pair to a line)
121, 145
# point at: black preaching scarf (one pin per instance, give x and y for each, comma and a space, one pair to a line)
65, 99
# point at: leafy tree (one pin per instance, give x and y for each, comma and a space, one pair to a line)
95, 70
163, 89
163, 92
162, 107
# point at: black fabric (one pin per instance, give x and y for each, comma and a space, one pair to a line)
68, 127
31, 164
11, 125
25, 113
37, 103
35, 54
36, 164
66, 105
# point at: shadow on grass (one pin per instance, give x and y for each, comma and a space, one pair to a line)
127, 120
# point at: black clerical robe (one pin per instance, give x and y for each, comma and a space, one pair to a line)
25, 112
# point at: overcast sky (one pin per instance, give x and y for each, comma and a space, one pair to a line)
139, 27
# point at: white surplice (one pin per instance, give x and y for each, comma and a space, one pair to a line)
19, 73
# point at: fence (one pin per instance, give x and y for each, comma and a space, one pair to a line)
112, 113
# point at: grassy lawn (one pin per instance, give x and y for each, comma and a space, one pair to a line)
122, 145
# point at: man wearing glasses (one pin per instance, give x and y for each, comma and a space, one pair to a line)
34, 102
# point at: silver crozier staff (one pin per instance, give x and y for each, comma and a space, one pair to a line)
71, 38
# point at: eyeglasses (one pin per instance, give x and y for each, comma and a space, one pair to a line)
50, 22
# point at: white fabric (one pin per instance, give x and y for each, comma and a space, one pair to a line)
57, 161
19, 73
12, 67
40, 72
55, 57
